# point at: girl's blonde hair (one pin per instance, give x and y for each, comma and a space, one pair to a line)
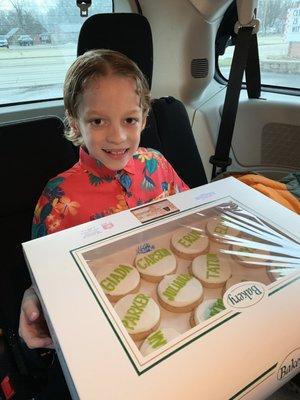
94, 64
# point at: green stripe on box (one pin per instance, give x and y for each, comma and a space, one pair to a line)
283, 286
253, 382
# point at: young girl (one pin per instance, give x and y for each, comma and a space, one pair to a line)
107, 100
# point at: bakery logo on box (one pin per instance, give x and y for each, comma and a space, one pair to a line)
245, 295
290, 365
155, 210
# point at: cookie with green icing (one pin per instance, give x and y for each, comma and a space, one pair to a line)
139, 314
212, 269
155, 264
188, 243
218, 230
118, 280
179, 292
157, 340
206, 310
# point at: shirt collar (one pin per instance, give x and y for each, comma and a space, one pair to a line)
97, 168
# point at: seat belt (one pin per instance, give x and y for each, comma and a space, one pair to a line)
245, 58
139, 8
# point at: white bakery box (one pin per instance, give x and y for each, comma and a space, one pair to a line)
192, 297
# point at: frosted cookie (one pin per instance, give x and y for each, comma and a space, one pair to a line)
207, 309
216, 229
154, 265
211, 269
235, 280
139, 313
248, 260
157, 340
118, 280
189, 243
179, 292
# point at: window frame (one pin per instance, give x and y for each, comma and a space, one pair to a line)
220, 78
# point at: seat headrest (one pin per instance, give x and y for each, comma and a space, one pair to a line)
127, 33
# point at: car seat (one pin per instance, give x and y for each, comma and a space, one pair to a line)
32, 151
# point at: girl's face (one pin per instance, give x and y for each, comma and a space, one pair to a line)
110, 120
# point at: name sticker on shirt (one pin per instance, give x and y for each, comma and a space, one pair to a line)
153, 211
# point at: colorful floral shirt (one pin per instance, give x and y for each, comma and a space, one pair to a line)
89, 190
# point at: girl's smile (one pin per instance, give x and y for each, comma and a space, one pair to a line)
110, 120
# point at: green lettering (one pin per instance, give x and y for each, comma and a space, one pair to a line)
176, 285
156, 340
106, 285
152, 258
188, 239
134, 312
216, 307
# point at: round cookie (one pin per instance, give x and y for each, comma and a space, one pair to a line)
211, 269
139, 314
235, 280
179, 292
157, 263
205, 310
157, 340
189, 243
118, 280
243, 259
217, 230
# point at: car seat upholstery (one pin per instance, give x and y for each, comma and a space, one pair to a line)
41, 153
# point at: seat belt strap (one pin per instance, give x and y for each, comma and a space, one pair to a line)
253, 80
221, 159
138, 6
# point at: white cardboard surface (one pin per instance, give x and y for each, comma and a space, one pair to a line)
243, 358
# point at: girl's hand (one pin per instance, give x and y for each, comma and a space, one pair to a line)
32, 326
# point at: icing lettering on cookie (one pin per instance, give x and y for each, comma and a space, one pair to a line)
134, 312
212, 266
153, 258
221, 229
188, 239
157, 339
115, 277
216, 307
176, 285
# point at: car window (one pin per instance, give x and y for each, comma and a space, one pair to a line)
278, 41
38, 42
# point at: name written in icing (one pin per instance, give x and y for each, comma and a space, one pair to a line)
133, 314
212, 266
157, 340
152, 258
176, 285
220, 228
216, 307
115, 277
188, 239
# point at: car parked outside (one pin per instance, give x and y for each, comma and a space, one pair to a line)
3, 41
45, 38
25, 40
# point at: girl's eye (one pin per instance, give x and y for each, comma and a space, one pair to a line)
131, 121
97, 122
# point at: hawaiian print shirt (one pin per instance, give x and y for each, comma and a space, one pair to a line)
89, 190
